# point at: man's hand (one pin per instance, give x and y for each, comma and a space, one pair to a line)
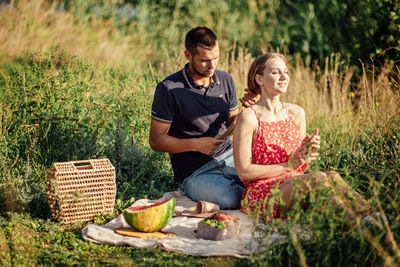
207, 145
161, 141
249, 98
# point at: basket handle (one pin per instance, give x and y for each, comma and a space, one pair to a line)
71, 164
82, 161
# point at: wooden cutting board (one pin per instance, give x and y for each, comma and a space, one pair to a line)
195, 215
133, 233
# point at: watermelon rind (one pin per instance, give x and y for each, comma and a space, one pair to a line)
150, 219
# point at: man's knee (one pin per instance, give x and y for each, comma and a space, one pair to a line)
226, 197
191, 189
229, 202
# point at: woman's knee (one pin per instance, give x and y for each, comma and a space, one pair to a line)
315, 179
334, 176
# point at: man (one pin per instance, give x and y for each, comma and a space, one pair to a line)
191, 108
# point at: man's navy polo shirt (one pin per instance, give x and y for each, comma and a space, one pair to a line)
194, 111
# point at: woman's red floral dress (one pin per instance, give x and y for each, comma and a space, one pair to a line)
275, 142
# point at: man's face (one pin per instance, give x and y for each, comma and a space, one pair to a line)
204, 62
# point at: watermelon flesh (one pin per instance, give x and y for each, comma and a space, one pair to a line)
150, 218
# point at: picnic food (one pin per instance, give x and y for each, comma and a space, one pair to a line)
218, 226
204, 207
150, 218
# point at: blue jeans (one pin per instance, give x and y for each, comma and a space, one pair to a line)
216, 182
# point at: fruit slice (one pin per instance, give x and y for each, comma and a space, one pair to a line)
150, 218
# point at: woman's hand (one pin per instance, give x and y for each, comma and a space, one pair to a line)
311, 143
307, 152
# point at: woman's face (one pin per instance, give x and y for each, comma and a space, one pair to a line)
275, 78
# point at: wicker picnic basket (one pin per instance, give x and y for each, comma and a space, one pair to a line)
78, 190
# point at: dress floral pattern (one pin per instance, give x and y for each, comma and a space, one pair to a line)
275, 142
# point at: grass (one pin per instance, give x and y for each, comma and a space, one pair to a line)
369, 163
36, 242
55, 112
90, 97
40, 25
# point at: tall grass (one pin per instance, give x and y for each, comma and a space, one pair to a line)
83, 90
58, 108
38, 25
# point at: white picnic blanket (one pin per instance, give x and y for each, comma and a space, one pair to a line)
185, 240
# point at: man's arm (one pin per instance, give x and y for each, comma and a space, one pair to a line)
161, 141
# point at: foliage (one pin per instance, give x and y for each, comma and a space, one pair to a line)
370, 165
90, 96
151, 33
359, 30
58, 108
37, 25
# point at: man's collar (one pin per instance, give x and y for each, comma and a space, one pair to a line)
192, 83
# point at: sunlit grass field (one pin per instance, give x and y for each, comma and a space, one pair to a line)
75, 89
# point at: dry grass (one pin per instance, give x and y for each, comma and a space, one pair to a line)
34, 25
4, 249
324, 93
329, 93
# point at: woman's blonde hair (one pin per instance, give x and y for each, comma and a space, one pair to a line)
258, 67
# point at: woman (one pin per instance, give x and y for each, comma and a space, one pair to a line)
271, 149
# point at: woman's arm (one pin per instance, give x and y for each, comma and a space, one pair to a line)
299, 116
307, 151
243, 136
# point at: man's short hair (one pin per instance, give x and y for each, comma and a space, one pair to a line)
200, 36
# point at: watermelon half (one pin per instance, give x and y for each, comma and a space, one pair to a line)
150, 218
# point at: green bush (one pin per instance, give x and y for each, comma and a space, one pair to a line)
312, 29
58, 108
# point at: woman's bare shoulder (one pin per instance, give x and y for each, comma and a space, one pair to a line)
248, 117
296, 111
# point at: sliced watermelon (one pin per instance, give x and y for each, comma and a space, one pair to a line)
150, 218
